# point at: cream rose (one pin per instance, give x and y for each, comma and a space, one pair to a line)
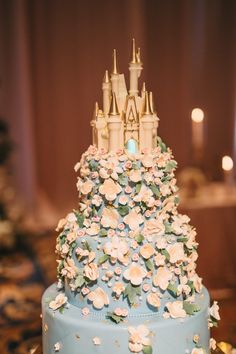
58, 302
86, 187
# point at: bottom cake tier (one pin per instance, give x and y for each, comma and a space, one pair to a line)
69, 332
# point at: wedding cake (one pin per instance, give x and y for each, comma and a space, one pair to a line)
127, 280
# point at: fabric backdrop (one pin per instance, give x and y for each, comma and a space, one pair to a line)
53, 55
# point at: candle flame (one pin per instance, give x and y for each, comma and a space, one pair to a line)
227, 163
197, 115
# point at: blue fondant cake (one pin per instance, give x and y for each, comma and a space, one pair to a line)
127, 280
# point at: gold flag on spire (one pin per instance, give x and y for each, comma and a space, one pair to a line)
133, 54
113, 107
146, 106
114, 69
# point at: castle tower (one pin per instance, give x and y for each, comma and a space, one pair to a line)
156, 119
106, 90
114, 124
135, 68
115, 75
146, 125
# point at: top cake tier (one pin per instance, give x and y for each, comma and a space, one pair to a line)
127, 119
127, 251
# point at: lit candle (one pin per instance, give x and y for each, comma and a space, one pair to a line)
197, 117
227, 166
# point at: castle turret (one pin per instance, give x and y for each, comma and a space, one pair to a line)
146, 125
115, 75
135, 68
156, 119
114, 124
106, 89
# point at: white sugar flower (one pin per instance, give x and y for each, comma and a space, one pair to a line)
110, 189
135, 274
138, 338
99, 298
133, 220
58, 302
176, 309
117, 249
109, 218
214, 311
162, 278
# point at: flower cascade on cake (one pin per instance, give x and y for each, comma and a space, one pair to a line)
126, 250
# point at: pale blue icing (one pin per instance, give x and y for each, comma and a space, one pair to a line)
75, 332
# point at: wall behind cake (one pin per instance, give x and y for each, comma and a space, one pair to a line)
53, 55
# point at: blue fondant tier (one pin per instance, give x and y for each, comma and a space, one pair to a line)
70, 332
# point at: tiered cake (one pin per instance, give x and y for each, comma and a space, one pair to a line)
127, 258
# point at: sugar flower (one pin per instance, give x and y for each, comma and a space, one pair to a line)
198, 351
61, 224
71, 237
153, 300
135, 274
133, 220
154, 227
147, 161
85, 311
118, 288
214, 311
96, 341
147, 251
57, 347
162, 278
144, 194
58, 302
121, 312
91, 271
123, 200
159, 259
138, 338
176, 252
70, 269
117, 249
110, 189
93, 229
110, 218
86, 187
135, 176
99, 298
212, 344
176, 309
97, 200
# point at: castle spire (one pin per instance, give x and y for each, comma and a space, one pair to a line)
146, 106
106, 79
151, 102
133, 54
138, 56
113, 107
114, 69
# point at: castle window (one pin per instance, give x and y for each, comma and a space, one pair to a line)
132, 146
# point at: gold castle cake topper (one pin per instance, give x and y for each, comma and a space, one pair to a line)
127, 120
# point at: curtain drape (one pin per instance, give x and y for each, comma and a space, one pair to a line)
53, 55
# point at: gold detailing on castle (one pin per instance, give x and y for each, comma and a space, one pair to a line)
113, 108
126, 115
114, 69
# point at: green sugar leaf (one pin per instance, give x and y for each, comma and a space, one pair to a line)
166, 254
182, 239
168, 228
103, 233
139, 238
93, 165
123, 210
79, 281
190, 308
122, 180
161, 144
138, 187
149, 264
172, 289
147, 349
86, 246
80, 219
103, 259
131, 292
155, 190
171, 165
113, 317
176, 200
